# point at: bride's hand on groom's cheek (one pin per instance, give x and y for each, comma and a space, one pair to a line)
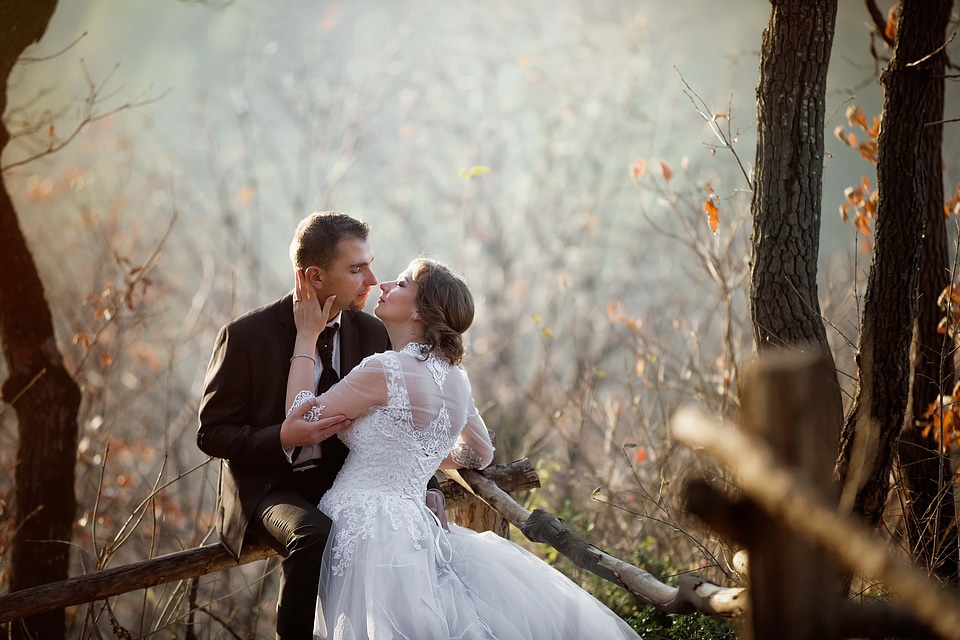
297, 431
310, 316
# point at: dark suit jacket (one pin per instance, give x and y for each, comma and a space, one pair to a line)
243, 406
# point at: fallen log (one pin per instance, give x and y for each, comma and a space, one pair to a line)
693, 592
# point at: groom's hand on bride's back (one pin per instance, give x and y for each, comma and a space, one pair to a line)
436, 502
297, 431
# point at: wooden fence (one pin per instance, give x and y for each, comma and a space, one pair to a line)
799, 545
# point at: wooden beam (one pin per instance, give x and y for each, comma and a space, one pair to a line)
191, 563
518, 475
180, 565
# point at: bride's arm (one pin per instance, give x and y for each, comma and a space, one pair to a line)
357, 392
310, 318
473, 449
364, 387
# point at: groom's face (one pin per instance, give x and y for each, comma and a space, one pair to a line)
349, 277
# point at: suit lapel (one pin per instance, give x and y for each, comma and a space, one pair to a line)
286, 327
349, 344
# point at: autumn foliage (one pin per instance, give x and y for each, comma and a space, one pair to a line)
942, 416
861, 199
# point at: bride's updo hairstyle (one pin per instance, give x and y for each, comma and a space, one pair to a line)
445, 305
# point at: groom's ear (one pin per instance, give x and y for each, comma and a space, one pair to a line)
314, 276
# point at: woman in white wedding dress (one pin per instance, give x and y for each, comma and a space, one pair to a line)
390, 571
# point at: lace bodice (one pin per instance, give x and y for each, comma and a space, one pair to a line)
396, 445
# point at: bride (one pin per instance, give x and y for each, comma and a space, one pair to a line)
390, 569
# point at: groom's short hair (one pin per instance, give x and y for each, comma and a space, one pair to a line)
317, 238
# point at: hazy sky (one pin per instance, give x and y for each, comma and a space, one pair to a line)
219, 63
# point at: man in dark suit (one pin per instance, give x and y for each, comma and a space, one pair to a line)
265, 490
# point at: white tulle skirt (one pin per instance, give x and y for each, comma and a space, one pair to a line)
457, 585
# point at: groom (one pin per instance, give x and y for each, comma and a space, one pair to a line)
264, 491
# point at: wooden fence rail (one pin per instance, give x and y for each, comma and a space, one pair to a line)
191, 563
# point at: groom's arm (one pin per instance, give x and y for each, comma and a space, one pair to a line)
226, 417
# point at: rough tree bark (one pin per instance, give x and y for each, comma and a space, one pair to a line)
925, 471
41, 392
870, 434
787, 190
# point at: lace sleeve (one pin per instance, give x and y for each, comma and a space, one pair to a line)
465, 456
314, 414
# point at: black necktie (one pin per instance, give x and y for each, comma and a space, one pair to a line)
328, 376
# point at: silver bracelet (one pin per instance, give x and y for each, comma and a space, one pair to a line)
304, 355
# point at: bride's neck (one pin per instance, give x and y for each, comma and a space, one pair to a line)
401, 336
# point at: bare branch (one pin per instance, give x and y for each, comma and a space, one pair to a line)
711, 121
131, 285
32, 60
89, 115
934, 52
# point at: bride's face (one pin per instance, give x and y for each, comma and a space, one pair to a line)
398, 299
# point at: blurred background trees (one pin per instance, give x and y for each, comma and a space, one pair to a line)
566, 157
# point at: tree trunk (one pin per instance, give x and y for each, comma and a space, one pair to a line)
42, 393
787, 190
925, 471
871, 432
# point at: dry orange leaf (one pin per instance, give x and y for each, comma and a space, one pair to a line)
713, 214
854, 194
638, 167
331, 18
856, 116
862, 222
844, 211
667, 171
893, 17
244, 196
641, 455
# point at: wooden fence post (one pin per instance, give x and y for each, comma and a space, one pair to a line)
795, 591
